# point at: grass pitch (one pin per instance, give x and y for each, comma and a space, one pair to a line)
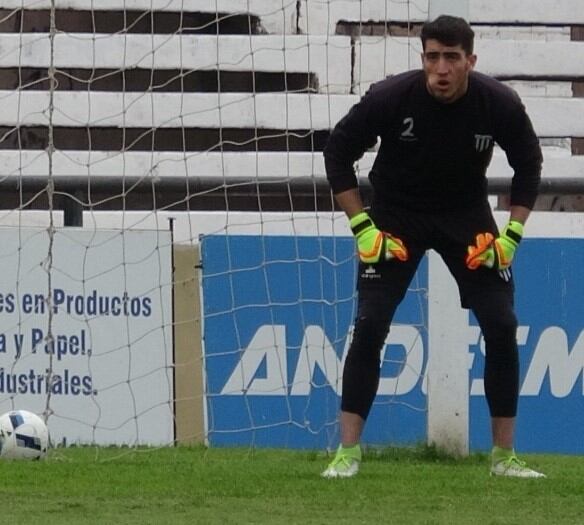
238, 486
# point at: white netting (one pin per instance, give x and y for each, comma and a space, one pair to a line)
123, 115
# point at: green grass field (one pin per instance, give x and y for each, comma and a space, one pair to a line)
237, 486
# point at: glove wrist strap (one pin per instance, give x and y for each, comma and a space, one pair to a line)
360, 222
514, 231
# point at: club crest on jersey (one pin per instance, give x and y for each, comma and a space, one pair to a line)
483, 142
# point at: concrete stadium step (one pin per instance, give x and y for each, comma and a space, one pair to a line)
265, 166
336, 67
551, 116
225, 16
323, 17
329, 58
376, 58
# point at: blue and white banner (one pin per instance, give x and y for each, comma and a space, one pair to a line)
278, 314
550, 311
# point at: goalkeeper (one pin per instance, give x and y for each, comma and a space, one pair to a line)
437, 128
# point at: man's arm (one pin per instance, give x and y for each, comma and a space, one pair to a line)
350, 202
519, 214
517, 137
515, 134
354, 134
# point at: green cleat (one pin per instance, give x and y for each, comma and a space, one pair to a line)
506, 463
345, 464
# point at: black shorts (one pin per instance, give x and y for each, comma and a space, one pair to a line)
448, 233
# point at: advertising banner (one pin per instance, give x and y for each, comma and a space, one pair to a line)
278, 314
85, 333
550, 311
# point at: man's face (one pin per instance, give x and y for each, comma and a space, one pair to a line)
447, 69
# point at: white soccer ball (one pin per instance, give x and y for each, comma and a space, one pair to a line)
23, 435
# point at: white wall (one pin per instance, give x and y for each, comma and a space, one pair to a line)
189, 226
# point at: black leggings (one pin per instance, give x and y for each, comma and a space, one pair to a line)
494, 312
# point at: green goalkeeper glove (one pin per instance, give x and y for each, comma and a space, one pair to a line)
495, 253
374, 245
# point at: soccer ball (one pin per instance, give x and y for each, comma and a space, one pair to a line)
23, 435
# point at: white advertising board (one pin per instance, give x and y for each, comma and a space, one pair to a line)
86, 332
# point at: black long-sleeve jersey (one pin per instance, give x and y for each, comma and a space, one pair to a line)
434, 156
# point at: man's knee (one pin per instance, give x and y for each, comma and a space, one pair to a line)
496, 318
502, 329
368, 337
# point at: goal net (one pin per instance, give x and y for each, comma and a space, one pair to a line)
174, 267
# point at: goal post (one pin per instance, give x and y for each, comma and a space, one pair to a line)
447, 372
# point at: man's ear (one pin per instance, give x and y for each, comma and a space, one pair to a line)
472, 61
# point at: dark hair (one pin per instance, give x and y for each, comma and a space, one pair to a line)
450, 31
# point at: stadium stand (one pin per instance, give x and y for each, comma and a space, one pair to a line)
228, 92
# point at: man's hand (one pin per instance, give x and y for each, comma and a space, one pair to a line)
481, 253
374, 245
495, 253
